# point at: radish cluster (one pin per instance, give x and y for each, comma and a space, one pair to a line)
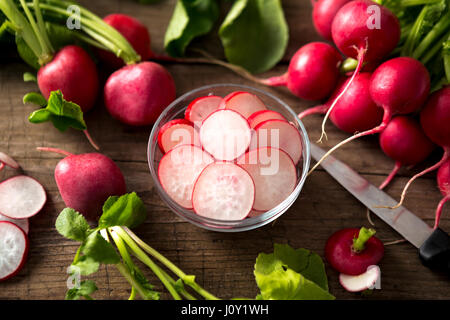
230, 158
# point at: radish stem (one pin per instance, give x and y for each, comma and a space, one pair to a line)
364, 235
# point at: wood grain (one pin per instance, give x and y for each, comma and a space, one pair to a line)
223, 263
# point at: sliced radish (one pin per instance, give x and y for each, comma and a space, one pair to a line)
255, 213
21, 197
244, 102
274, 174
199, 109
21, 223
278, 134
10, 162
223, 191
13, 249
175, 133
178, 170
225, 134
361, 282
263, 115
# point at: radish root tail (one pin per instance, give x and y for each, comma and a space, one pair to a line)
314, 110
55, 150
439, 211
391, 175
91, 141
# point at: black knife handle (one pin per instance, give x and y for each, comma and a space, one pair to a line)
435, 251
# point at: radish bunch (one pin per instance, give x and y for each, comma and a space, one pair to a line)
236, 159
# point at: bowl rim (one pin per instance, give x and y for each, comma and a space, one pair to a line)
227, 225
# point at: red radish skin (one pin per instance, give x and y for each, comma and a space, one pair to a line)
278, 134
7, 160
21, 197
360, 282
177, 132
74, 73
244, 103
398, 86
225, 134
86, 180
199, 109
342, 257
263, 115
179, 169
13, 248
23, 224
137, 94
134, 31
323, 14
273, 173
443, 179
223, 191
404, 141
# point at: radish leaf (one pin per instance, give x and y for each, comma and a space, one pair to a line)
190, 19
35, 98
85, 289
97, 248
84, 266
29, 77
72, 225
126, 211
255, 34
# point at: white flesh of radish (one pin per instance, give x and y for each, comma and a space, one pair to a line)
21, 197
223, 191
245, 103
13, 249
23, 224
360, 282
10, 162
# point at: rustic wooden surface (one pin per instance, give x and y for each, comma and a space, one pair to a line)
222, 262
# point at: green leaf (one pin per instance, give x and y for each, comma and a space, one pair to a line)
26, 53
145, 284
100, 250
35, 98
84, 266
29, 77
127, 210
39, 116
85, 289
255, 34
72, 225
190, 19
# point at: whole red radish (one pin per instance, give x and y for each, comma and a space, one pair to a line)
323, 14
13, 248
351, 251
137, 94
86, 180
74, 73
443, 179
134, 31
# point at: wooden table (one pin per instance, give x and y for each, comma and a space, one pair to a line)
223, 263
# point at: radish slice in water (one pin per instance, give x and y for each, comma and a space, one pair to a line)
21, 197
21, 223
273, 173
223, 191
175, 133
178, 170
13, 249
10, 162
243, 102
263, 115
225, 134
199, 109
361, 282
278, 134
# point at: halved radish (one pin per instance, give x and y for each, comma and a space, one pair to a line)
361, 282
175, 133
244, 102
278, 134
21, 197
263, 115
225, 134
10, 162
199, 109
178, 170
223, 191
273, 173
13, 249
21, 223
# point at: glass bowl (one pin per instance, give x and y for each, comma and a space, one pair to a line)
176, 110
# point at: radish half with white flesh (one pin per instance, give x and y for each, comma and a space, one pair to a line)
13, 249
225, 134
175, 133
263, 115
199, 109
361, 282
223, 191
178, 170
244, 102
273, 173
21, 197
7, 160
23, 224
278, 134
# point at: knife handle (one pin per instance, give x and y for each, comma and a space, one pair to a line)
435, 251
